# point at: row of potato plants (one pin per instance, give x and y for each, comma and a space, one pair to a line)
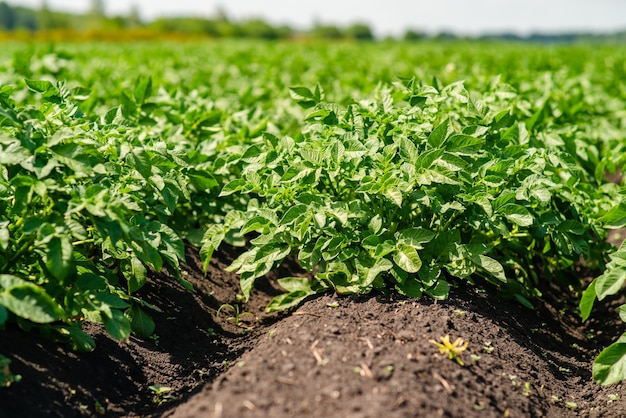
420, 187
392, 184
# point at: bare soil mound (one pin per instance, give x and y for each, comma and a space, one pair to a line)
332, 357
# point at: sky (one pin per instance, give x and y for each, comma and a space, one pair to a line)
390, 17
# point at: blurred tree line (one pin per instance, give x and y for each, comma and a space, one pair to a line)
48, 23
17, 18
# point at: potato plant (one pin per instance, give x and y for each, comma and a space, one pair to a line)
87, 208
409, 191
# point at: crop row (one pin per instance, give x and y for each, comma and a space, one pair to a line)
380, 167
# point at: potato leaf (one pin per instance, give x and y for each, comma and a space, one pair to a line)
610, 365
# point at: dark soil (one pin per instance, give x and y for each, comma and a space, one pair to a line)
332, 357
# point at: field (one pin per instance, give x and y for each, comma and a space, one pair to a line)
239, 228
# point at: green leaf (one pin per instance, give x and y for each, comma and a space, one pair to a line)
80, 93
117, 325
41, 86
491, 265
484, 204
440, 291
232, 187
287, 300
141, 323
296, 172
174, 244
298, 289
73, 157
587, 299
429, 176
111, 300
610, 282
415, 237
202, 181
302, 92
292, 284
72, 334
79, 339
615, 217
143, 89
477, 107
407, 258
320, 218
523, 300
90, 282
148, 254
408, 150
382, 249
129, 108
463, 143
292, 213
335, 153
439, 135
303, 96
394, 195
368, 274
502, 200
610, 365
30, 302
317, 114
77, 229
8, 281
211, 240
246, 283
426, 159
411, 288
517, 214
59, 258
375, 224
572, 227
340, 213
14, 153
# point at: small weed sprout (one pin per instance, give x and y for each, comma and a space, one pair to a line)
237, 314
202, 373
99, 408
527, 390
6, 377
160, 394
452, 349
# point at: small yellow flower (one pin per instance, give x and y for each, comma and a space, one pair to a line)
452, 349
